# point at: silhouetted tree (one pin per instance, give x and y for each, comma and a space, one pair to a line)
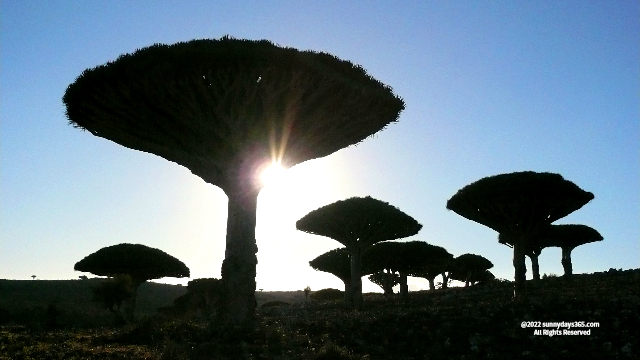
435, 262
140, 262
533, 251
226, 109
469, 268
113, 292
207, 294
519, 205
306, 290
337, 262
568, 237
358, 223
482, 277
33, 277
386, 279
410, 258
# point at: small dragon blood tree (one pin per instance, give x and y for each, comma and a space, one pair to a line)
226, 109
519, 205
358, 223
568, 237
469, 268
409, 258
138, 261
337, 263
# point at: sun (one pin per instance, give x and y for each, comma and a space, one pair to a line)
273, 174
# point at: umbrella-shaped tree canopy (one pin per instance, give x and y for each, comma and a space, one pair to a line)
211, 105
226, 109
141, 262
336, 262
569, 237
468, 267
518, 202
359, 222
518, 205
409, 258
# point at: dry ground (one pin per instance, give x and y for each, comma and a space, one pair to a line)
475, 323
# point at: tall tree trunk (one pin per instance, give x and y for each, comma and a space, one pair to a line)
520, 267
404, 288
347, 290
535, 266
566, 262
387, 282
133, 302
239, 265
356, 278
432, 285
445, 280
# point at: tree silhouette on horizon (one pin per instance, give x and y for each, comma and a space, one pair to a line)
568, 237
469, 267
409, 258
226, 109
337, 262
519, 205
358, 223
140, 262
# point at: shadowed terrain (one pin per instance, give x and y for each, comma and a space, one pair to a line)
480, 322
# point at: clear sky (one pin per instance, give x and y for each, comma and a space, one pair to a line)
490, 88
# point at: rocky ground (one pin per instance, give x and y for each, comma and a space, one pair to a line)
481, 322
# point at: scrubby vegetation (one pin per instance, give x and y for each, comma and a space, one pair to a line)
479, 322
327, 295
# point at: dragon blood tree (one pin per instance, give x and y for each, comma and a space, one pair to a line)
469, 268
138, 261
519, 205
336, 262
568, 237
409, 258
226, 109
533, 252
357, 223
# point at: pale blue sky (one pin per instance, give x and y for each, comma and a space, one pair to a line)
490, 87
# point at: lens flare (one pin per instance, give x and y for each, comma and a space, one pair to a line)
273, 174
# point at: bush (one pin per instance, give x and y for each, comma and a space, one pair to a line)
327, 295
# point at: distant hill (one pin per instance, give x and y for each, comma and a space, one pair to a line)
27, 300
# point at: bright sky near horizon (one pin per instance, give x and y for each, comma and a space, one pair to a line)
490, 88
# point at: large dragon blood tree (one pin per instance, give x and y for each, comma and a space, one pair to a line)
533, 252
519, 205
226, 109
358, 223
